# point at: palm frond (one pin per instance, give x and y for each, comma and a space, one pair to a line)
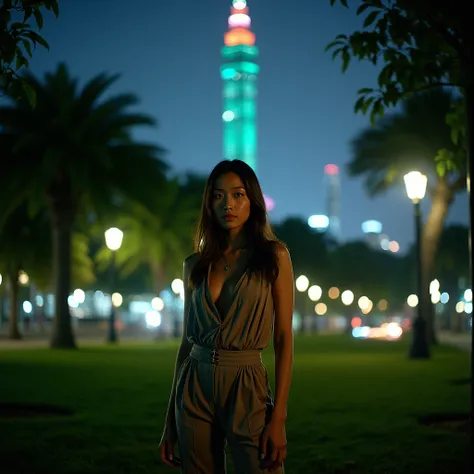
111, 107
403, 141
94, 89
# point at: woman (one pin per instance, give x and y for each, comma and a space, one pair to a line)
238, 287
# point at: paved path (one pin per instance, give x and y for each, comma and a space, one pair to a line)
460, 340
90, 336
37, 340
6, 344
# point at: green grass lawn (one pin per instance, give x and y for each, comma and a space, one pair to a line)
353, 409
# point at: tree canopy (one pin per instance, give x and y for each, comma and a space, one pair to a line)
421, 44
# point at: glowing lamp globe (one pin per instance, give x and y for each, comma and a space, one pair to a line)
113, 238
415, 184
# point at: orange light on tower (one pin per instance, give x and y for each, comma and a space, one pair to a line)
236, 11
238, 36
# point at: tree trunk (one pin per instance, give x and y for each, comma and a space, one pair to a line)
62, 217
432, 230
159, 277
2, 303
451, 286
348, 328
14, 331
469, 95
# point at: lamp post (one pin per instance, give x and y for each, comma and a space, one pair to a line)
177, 286
415, 184
302, 284
1, 300
113, 240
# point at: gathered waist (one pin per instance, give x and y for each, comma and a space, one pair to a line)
224, 357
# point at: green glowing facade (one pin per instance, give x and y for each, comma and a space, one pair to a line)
239, 73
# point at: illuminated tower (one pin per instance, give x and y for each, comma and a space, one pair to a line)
239, 75
333, 200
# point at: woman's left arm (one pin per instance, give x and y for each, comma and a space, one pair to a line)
283, 296
274, 436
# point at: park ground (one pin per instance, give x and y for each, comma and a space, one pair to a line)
356, 406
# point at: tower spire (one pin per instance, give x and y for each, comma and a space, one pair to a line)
239, 73
239, 26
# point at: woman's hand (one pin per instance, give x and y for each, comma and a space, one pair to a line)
273, 445
167, 444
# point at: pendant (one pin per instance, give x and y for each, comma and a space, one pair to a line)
226, 268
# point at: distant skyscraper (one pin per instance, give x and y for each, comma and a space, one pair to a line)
239, 74
333, 200
373, 233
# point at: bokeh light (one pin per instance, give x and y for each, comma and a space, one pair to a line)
320, 309
315, 292
302, 283
347, 297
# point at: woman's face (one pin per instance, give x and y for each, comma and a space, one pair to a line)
230, 203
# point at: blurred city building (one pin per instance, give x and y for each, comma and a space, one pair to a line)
376, 239
333, 201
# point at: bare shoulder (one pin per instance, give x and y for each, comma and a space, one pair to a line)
282, 252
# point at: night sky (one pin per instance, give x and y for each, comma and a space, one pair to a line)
168, 53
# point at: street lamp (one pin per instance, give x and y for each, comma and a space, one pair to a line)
177, 286
415, 184
302, 285
113, 240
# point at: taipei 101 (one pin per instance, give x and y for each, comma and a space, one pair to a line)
236, 237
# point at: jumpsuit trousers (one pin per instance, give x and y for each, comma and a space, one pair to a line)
222, 393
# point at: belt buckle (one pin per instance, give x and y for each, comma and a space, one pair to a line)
214, 356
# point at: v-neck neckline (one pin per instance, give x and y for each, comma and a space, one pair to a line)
234, 294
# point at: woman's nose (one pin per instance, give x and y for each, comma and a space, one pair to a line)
228, 202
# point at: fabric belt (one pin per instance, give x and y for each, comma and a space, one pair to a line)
223, 357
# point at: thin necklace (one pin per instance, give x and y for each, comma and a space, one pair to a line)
227, 267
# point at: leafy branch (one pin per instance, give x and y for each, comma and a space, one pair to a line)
419, 52
18, 41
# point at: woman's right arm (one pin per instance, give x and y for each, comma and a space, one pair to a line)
185, 346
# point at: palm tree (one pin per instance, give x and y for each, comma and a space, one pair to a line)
25, 245
160, 236
74, 154
415, 138
22, 246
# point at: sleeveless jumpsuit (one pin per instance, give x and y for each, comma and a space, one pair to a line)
227, 398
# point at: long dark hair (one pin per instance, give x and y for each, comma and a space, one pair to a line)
210, 239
